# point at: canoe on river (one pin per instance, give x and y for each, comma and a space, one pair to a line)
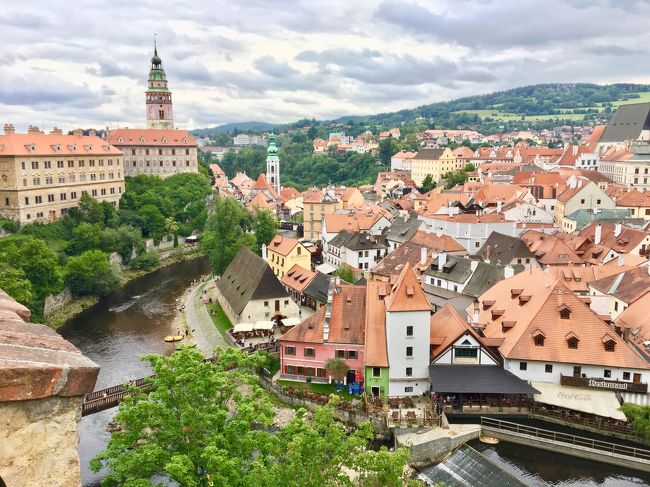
173, 338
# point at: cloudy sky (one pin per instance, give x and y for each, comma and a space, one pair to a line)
86, 63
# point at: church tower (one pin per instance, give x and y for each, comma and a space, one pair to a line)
158, 96
273, 165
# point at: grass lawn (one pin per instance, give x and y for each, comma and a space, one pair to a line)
644, 96
219, 318
321, 388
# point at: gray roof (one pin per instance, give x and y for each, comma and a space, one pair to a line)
389, 206
477, 379
365, 241
249, 278
401, 231
627, 123
501, 249
429, 154
457, 269
438, 297
340, 238
317, 288
485, 276
584, 217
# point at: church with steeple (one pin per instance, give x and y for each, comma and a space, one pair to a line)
273, 165
158, 96
160, 149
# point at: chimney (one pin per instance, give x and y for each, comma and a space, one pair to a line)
499, 203
33, 129
56, 131
508, 272
475, 314
9, 129
423, 255
618, 228
621, 259
598, 234
265, 254
442, 259
92, 132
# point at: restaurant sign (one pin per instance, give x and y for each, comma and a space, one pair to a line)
610, 385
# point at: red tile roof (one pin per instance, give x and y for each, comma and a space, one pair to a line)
150, 137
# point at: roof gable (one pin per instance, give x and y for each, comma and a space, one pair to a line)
407, 294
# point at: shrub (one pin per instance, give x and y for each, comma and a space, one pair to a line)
146, 261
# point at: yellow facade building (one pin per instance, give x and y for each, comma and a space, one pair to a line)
435, 162
43, 175
283, 253
316, 204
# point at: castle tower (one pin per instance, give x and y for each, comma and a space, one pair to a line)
273, 165
158, 96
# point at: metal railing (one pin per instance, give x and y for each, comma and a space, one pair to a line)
565, 439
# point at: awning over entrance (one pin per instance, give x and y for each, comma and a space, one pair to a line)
477, 379
326, 268
600, 403
243, 327
263, 325
288, 322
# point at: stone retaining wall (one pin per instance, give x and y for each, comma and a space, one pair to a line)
353, 417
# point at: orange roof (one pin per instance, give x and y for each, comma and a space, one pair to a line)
357, 220
239, 179
491, 193
260, 200
216, 169
463, 152
633, 197
282, 245
314, 196
263, 185
405, 154
289, 193
571, 154
347, 320
446, 326
55, 145
549, 249
298, 278
637, 319
577, 278
376, 351
628, 239
436, 241
546, 298
150, 137
407, 293
592, 139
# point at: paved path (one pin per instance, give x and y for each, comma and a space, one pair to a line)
206, 335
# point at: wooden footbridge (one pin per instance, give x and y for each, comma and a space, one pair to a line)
577, 446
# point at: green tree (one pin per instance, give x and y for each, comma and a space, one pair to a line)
428, 183
337, 368
387, 148
154, 221
198, 416
146, 260
14, 282
224, 233
200, 423
38, 262
86, 236
171, 227
639, 417
265, 226
345, 273
90, 273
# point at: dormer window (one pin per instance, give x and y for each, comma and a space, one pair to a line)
572, 340
184, 141
120, 140
497, 312
515, 292
565, 312
539, 337
487, 304
523, 299
142, 140
164, 140
507, 325
610, 343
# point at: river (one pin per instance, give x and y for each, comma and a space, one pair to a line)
118, 330
133, 322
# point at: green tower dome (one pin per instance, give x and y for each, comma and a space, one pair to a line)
272, 149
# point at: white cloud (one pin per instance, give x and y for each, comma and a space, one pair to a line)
86, 63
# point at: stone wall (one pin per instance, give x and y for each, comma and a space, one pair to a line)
56, 301
38, 442
353, 417
43, 379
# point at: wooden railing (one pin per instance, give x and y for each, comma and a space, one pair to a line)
598, 424
565, 439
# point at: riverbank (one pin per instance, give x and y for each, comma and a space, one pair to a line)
78, 304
